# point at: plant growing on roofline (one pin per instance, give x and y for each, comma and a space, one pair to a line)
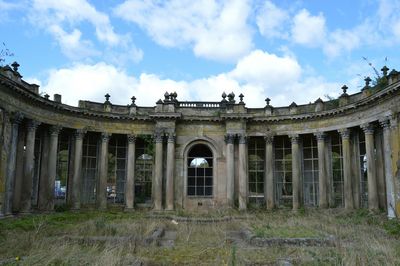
5, 53
378, 81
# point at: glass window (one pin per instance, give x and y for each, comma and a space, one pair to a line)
283, 170
310, 170
256, 154
199, 172
337, 169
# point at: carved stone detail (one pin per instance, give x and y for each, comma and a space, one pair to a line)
16, 118
269, 139
171, 137
158, 137
294, 138
385, 123
131, 138
79, 133
105, 137
320, 136
55, 130
368, 128
32, 125
242, 139
229, 138
344, 133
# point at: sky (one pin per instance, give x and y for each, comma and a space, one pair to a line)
287, 50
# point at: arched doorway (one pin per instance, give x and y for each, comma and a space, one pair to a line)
200, 171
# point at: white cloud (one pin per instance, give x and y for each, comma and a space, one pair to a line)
271, 21
71, 44
257, 75
216, 30
308, 30
62, 18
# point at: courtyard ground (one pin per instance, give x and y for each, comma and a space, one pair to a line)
217, 238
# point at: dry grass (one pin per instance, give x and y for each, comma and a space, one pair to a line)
362, 239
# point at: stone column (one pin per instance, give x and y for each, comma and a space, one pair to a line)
322, 175
170, 172
26, 201
355, 168
16, 119
101, 192
296, 171
243, 179
380, 169
52, 166
230, 172
43, 179
77, 170
19, 170
158, 172
130, 174
348, 191
269, 173
387, 151
371, 170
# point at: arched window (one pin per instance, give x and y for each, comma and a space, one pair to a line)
200, 171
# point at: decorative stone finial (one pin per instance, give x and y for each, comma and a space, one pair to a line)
107, 98
268, 100
133, 98
231, 97
241, 97
385, 70
367, 81
166, 96
174, 95
224, 97
15, 66
344, 89
46, 96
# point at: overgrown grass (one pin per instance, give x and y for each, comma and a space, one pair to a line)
363, 238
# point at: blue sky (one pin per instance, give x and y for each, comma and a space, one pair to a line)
285, 50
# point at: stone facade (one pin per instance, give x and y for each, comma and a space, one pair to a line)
199, 155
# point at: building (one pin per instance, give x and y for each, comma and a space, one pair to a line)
199, 155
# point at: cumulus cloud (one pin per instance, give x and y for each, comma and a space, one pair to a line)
308, 30
257, 75
62, 18
216, 30
271, 21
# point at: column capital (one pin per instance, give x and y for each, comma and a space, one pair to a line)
269, 139
55, 130
344, 133
131, 138
385, 123
158, 137
368, 128
16, 118
171, 137
320, 136
294, 138
229, 138
242, 139
32, 125
79, 133
105, 137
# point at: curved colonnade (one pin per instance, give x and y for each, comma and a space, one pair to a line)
199, 155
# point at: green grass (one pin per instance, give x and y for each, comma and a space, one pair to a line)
267, 231
363, 238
